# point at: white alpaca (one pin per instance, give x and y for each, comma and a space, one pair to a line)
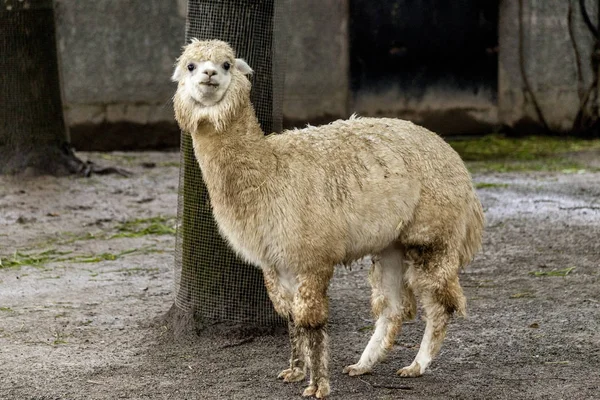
298, 203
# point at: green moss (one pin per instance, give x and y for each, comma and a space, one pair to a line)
39, 259
146, 226
554, 272
73, 237
498, 147
544, 164
134, 228
486, 185
497, 153
19, 259
93, 258
133, 270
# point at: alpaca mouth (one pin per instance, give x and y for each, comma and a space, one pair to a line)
212, 84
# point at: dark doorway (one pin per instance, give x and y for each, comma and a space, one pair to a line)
432, 61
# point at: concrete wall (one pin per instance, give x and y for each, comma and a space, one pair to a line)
428, 61
116, 60
117, 57
317, 80
549, 63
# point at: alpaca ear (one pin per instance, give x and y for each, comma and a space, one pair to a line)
178, 74
243, 67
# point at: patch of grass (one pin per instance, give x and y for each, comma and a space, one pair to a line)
146, 226
558, 164
6, 309
499, 147
554, 272
133, 270
18, 259
486, 185
497, 153
72, 237
93, 258
59, 338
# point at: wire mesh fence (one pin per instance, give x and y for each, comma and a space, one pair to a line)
33, 134
209, 278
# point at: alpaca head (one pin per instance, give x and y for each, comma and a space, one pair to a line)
205, 71
212, 84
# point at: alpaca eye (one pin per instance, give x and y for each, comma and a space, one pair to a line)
226, 66
191, 67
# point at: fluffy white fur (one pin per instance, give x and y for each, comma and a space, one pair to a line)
299, 203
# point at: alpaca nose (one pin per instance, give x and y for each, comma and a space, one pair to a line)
210, 72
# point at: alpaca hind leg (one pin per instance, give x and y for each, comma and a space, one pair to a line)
390, 303
441, 297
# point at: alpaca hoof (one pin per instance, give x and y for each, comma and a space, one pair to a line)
320, 391
310, 391
412, 371
292, 375
356, 369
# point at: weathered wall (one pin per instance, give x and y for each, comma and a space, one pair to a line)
117, 56
431, 62
116, 59
549, 62
317, 81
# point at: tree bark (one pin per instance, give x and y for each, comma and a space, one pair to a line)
213, 281
33, 134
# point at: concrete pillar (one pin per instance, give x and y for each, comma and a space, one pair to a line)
116, 59
549, 63
317, 81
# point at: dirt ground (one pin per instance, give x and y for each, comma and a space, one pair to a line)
82, 323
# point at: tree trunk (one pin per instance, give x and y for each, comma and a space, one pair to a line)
212, 282
33, 135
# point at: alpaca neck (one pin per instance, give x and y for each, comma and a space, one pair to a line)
236, 160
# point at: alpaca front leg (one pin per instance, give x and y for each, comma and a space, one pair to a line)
281, 299
297, 370
317, 340
310, 311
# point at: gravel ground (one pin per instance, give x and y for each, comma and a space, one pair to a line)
85, 322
